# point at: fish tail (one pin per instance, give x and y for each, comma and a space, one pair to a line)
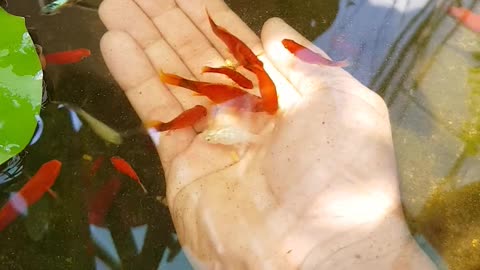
7, 215
157, 125
342, 63
206, 69
143, 187
213, 25
177, 81
170, 78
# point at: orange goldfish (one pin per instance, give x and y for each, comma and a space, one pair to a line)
235, 76
101, 202
306, 55
186, 119
123, 167
268, 90
67, 57
242, 53
30, 193
218, 93
466, 17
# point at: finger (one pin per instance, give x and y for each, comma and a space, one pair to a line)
307, 77
127, 16
191, 46
225, 17
148, 96
303, 76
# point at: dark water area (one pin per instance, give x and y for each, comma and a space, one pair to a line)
410, 52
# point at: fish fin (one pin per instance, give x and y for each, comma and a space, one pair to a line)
143, 187
170, 78
52, 193
153, 124
205, 69
342, 63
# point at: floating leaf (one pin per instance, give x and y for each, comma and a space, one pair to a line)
20, 86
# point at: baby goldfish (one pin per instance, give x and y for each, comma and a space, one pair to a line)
466, 17
228, 135
124, 167
234, 75
306, 55
268, 90
187, 118
67, 57
218, 93
242, 53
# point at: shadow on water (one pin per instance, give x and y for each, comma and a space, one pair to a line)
396, 47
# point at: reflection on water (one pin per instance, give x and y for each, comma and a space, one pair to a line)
422, 63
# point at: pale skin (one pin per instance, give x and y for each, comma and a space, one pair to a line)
319, 191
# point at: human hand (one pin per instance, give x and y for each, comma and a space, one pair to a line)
320, 189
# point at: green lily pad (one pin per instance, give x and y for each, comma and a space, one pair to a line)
20, 86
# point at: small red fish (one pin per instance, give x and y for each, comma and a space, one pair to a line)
234, 75
218, 93
101, 202
30, 193
123, 167
268, 90
67, 57
466, 17
187, 118
306, 55
242, 53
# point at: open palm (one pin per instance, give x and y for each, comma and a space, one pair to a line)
318, 190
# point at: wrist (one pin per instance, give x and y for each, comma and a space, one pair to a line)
387, 244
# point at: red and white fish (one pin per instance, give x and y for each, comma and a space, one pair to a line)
308, 56
30, 193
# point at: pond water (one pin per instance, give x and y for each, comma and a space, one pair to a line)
416, 57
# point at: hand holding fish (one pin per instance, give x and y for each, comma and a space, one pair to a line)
317, 190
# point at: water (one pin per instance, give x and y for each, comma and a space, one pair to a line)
410, 52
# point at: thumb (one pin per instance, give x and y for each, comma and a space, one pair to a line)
304, 76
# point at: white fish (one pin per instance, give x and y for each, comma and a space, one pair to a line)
228, 135
101, 129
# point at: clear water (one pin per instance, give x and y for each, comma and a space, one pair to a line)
410, 52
